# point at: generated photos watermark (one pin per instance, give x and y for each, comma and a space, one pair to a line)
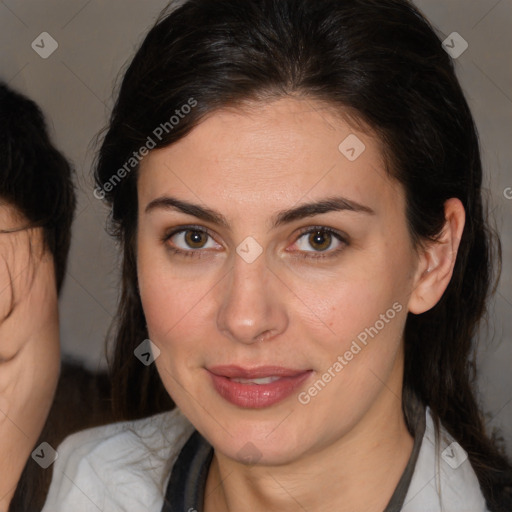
151, 142
356, 347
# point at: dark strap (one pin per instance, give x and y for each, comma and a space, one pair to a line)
185, 490
419, 425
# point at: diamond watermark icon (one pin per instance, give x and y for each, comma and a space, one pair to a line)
147, 352
45, 455
44, 45
454, 455
249, 454
351, 147
455, 45
249, 250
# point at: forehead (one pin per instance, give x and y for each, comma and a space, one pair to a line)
10, 216
269, 153
20, 245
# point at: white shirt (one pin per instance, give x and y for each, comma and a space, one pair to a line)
125, 467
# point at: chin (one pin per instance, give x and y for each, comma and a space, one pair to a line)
256, 442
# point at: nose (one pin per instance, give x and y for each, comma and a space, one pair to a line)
252, 305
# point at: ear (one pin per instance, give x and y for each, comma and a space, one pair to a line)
437, 259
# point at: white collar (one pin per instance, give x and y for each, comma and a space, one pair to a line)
443, 479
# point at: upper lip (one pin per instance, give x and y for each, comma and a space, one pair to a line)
238, 372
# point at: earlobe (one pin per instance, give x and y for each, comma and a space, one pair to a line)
437, 260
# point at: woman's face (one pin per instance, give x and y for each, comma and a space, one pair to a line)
273, 246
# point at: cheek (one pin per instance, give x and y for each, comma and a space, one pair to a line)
157, 303
367, 304
355, 311
173, 305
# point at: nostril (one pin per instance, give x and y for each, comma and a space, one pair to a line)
265, 335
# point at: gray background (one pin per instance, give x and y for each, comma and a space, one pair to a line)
74, 87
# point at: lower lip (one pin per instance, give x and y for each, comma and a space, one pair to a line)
257, 396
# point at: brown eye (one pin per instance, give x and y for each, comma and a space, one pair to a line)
317, 240
190, 241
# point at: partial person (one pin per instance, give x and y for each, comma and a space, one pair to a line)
37, 204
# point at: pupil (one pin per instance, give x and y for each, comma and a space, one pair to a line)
194, 238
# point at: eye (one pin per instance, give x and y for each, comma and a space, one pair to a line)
320, 240
188, 241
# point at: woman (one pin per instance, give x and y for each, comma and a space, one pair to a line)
295, 185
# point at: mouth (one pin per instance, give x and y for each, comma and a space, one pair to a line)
256, 388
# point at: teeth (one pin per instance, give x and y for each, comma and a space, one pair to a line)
262, 380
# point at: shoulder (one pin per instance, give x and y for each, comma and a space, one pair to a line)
121, 466
443, 478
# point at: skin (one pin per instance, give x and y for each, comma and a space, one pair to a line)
287, 308
29, 345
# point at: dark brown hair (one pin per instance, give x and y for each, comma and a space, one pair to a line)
382, 60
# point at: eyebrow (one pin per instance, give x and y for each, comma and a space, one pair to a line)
329, 204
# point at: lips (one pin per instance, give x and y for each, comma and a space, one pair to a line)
258, 387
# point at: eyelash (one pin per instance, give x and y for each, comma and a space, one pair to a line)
311, 255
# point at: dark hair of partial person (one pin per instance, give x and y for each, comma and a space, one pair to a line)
35, 178
382, 62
